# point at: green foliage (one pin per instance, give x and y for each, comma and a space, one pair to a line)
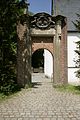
77, 61
77, 23
9, 13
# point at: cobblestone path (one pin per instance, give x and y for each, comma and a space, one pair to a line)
42, 102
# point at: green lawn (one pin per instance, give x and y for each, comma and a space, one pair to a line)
68, 88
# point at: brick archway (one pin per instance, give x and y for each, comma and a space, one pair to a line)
42, 31
42, 43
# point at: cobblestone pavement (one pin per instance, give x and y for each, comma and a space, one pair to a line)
42, 102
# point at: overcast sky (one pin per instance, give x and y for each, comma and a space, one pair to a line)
40, 6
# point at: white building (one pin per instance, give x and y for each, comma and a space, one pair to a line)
69, 9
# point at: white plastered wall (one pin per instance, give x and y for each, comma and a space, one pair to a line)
71, 46
72, 38
48, 63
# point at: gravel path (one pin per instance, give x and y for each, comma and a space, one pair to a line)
42, 102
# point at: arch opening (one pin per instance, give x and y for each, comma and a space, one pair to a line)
42, 65
38, 61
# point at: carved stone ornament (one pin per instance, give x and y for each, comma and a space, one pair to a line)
42, 21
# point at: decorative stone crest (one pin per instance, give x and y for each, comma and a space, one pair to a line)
42, 21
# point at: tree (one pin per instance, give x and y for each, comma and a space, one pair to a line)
77, 24
78, 59
9, 13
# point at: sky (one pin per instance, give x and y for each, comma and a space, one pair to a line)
40, 6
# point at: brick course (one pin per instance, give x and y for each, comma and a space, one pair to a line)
42, 43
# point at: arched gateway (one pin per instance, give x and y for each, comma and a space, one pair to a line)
42, 31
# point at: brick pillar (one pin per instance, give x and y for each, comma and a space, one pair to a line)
23, 53
63, 51
60, 53
57, 64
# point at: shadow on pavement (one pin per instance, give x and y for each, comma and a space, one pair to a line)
36, 84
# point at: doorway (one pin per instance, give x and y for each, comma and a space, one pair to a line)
42, 66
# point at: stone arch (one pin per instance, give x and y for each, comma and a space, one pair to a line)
48, 49
42, 43
48, 62
42, 31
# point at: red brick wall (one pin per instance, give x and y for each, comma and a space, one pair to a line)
42, 43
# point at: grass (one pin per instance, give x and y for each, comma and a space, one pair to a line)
4, 96
68, 88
